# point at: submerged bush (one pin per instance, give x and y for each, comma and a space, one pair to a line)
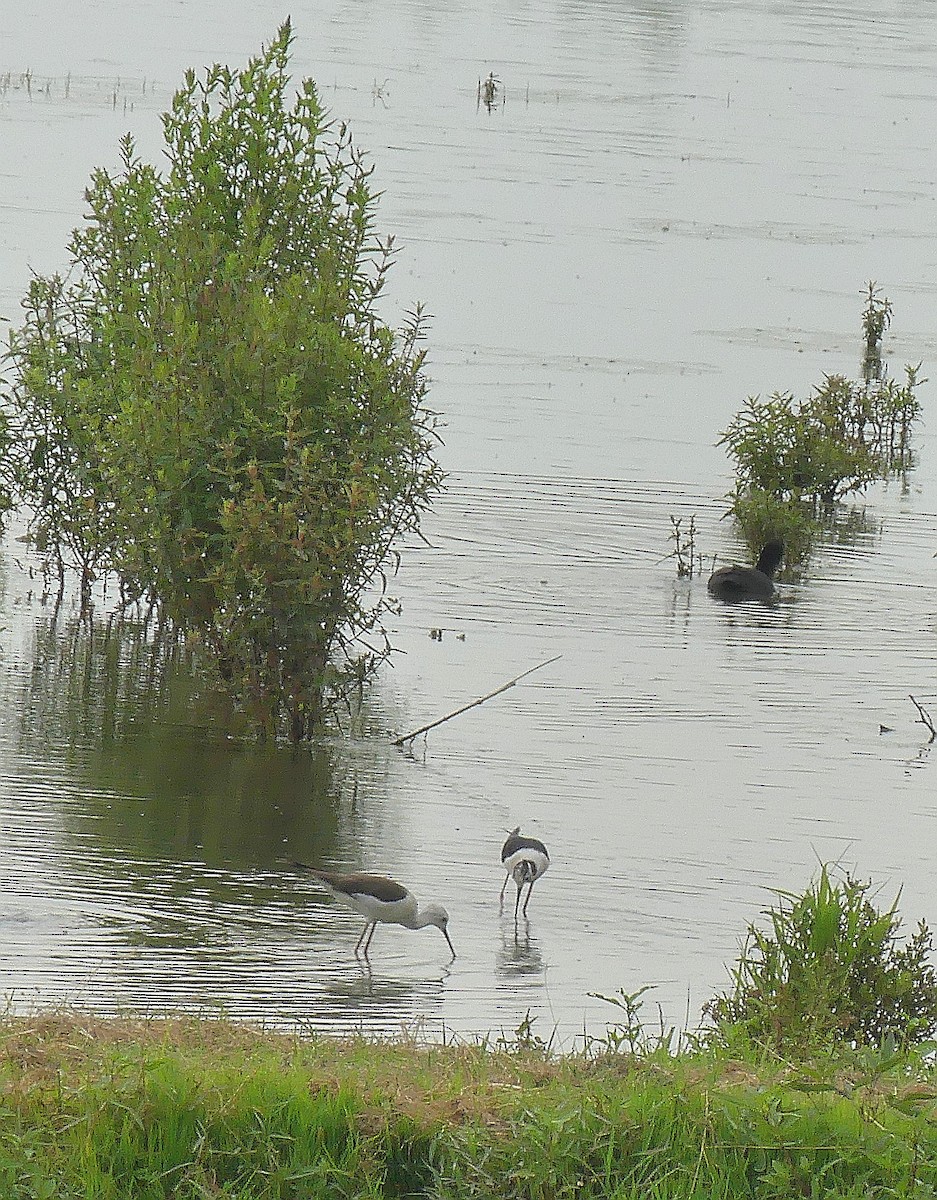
793, 457
829, 971
763, 518
210, 404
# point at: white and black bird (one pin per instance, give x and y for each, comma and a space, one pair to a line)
381, 901
524, 859
748, 583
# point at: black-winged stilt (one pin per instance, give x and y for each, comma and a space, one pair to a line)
525, 859
381, 901
748, 583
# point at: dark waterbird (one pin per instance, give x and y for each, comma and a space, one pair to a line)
380, 900
748, 583
525, 859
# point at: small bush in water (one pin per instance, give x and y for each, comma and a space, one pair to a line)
794, 456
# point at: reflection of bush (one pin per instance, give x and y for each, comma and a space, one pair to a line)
122, 704
96, 680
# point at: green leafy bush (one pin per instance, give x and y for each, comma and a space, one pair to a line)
795, 457
762, 518
793, 450
828, 971
211, 405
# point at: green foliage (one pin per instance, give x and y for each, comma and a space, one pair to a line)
839, 439
200, 1109
793, 457
630, 1034
763, 518
6, 497
828, 972
689, 560
793, 450
876, 318
210, 404
525, 1039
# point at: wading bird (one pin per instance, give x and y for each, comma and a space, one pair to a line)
748, 583
381, 901
525, 859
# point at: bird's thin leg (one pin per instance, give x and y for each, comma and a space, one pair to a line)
367, 926
368, 942
527, 901
503, 886
518, 900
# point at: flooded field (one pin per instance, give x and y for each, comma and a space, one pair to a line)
670, 208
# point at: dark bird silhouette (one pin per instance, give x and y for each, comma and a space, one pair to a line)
525, 859
748, 583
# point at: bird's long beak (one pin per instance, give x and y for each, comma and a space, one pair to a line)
445, 934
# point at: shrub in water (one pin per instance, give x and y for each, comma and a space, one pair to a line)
794, 449
211, 406
794, 456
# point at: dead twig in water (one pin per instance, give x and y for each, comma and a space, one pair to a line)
925, 718
408, 737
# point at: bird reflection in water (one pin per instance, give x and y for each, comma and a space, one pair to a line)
519, 952
357, 992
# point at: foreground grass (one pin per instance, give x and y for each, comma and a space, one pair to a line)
205, 1108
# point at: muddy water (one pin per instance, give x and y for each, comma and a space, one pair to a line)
674, 207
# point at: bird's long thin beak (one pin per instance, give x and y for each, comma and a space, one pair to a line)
445, 934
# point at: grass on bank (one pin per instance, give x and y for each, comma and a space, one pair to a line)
194, 1108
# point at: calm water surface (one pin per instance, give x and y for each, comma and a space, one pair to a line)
676, 206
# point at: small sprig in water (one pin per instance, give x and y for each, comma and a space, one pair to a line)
488, 92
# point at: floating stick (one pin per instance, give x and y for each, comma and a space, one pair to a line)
924, 718
408, 737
